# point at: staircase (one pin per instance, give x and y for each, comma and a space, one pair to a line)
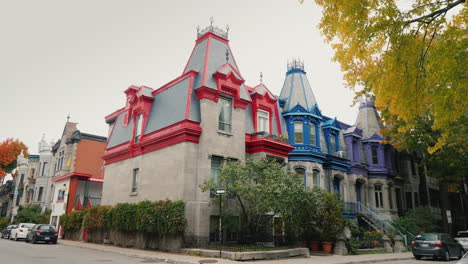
381, 221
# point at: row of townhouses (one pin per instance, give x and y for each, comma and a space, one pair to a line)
165, 142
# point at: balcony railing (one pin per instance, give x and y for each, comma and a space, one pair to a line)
341, 154
263, 134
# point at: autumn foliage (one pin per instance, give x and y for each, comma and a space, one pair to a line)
9, 151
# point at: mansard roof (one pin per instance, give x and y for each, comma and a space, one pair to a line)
210, 55
296, 88
368, 120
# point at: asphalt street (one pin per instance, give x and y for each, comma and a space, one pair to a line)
422, 261
12, 252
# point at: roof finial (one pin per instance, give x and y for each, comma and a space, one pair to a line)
198, 30
68, 117
261, 77
227, 55
211, 21
227, 30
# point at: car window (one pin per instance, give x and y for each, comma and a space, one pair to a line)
462, 234
46, 228
428, 237
28, 225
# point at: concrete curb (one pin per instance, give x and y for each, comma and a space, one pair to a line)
161, 260
377, 260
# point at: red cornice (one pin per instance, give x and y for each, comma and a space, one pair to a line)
73, 174
255, 145
205, 92
114, 114
184, 131
210, 34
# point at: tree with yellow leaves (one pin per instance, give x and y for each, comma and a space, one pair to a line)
413, 59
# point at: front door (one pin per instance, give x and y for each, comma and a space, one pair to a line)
358, 196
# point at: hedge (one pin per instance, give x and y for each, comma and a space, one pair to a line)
160, 217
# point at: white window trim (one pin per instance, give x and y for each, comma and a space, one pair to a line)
265, 115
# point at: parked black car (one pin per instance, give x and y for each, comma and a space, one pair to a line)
42, 232
7, 231
436, 245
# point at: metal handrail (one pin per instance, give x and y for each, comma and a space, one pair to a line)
377, 220
388, 219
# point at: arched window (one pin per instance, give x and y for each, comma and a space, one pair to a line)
316, 177
298, 133
302, 173
378, 196
313, 139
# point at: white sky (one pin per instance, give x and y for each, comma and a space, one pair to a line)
62, 56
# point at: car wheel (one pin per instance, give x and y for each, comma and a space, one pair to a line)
447, 256
54, 242
26, 239
460, 255
8, 236
417, 257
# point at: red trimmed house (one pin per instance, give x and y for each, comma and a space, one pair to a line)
77, 169
165, 142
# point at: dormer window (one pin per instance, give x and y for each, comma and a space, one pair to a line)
138, 122
263, 123
375, 156
332, 144
313, 140
298, 133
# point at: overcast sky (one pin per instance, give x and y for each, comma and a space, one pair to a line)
60, 57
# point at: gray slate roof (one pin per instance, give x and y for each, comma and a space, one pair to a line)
120, 134
296, 90
368, 120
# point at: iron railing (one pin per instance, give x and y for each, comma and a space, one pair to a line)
264, 134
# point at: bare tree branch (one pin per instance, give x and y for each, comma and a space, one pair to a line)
435, 14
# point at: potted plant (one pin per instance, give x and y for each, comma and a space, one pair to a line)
332, 222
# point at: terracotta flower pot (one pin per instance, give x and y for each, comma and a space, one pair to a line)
327, 247
314, 246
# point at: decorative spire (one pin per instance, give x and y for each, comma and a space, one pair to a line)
296, 64
261, 77
68, 117
213, 29
227, 55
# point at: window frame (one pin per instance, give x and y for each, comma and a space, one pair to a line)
301, 132
312, 134
224, 125
138, 127
134, 184
375, 154
316, 177
378, 195
266, 116
302, 170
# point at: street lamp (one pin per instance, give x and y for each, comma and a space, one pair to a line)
220, 192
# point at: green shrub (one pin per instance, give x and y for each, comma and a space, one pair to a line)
3, 223
65, 221
353, 246
124, 217
373, 234
95, 217
75, 221
171, 217
29, 214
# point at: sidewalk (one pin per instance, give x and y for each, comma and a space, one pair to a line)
164, 257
